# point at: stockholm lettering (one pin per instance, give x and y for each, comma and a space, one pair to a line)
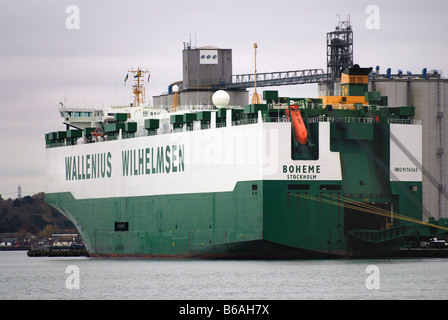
301, 172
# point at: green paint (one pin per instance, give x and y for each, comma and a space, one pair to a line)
167, 224
194, 224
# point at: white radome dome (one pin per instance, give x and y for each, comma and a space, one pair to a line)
221, 99
175, 88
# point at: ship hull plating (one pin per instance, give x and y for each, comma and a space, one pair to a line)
237, 192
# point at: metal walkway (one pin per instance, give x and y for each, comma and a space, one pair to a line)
284, 78
281, 78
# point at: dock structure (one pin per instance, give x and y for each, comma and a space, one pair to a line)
57, 253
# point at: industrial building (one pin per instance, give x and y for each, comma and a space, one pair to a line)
429, 95
205, 70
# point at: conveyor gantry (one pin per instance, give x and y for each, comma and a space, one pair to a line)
282, 78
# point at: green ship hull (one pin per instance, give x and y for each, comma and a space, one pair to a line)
258, 220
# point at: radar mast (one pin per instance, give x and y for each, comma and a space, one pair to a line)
138, 87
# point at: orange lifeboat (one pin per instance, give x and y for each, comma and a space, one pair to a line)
300, 132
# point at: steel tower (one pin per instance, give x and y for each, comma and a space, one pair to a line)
339, 50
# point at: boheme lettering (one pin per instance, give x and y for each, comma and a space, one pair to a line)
153, 160
301, 169
89, 166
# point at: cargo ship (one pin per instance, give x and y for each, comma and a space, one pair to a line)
337, 176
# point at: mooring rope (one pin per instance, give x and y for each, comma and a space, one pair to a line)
365, 207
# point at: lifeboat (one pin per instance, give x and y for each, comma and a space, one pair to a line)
300, 132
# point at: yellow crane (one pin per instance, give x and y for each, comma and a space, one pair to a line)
255, 97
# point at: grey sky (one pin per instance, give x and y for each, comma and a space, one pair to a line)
41, 61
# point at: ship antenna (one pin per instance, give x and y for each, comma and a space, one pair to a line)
139, 88
255, 98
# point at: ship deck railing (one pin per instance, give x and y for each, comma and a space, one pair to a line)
276, 119
56, 145
404, 121
196, 107
283, 118
322, 118
244, 121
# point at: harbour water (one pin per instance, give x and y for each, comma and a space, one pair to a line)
83, 278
